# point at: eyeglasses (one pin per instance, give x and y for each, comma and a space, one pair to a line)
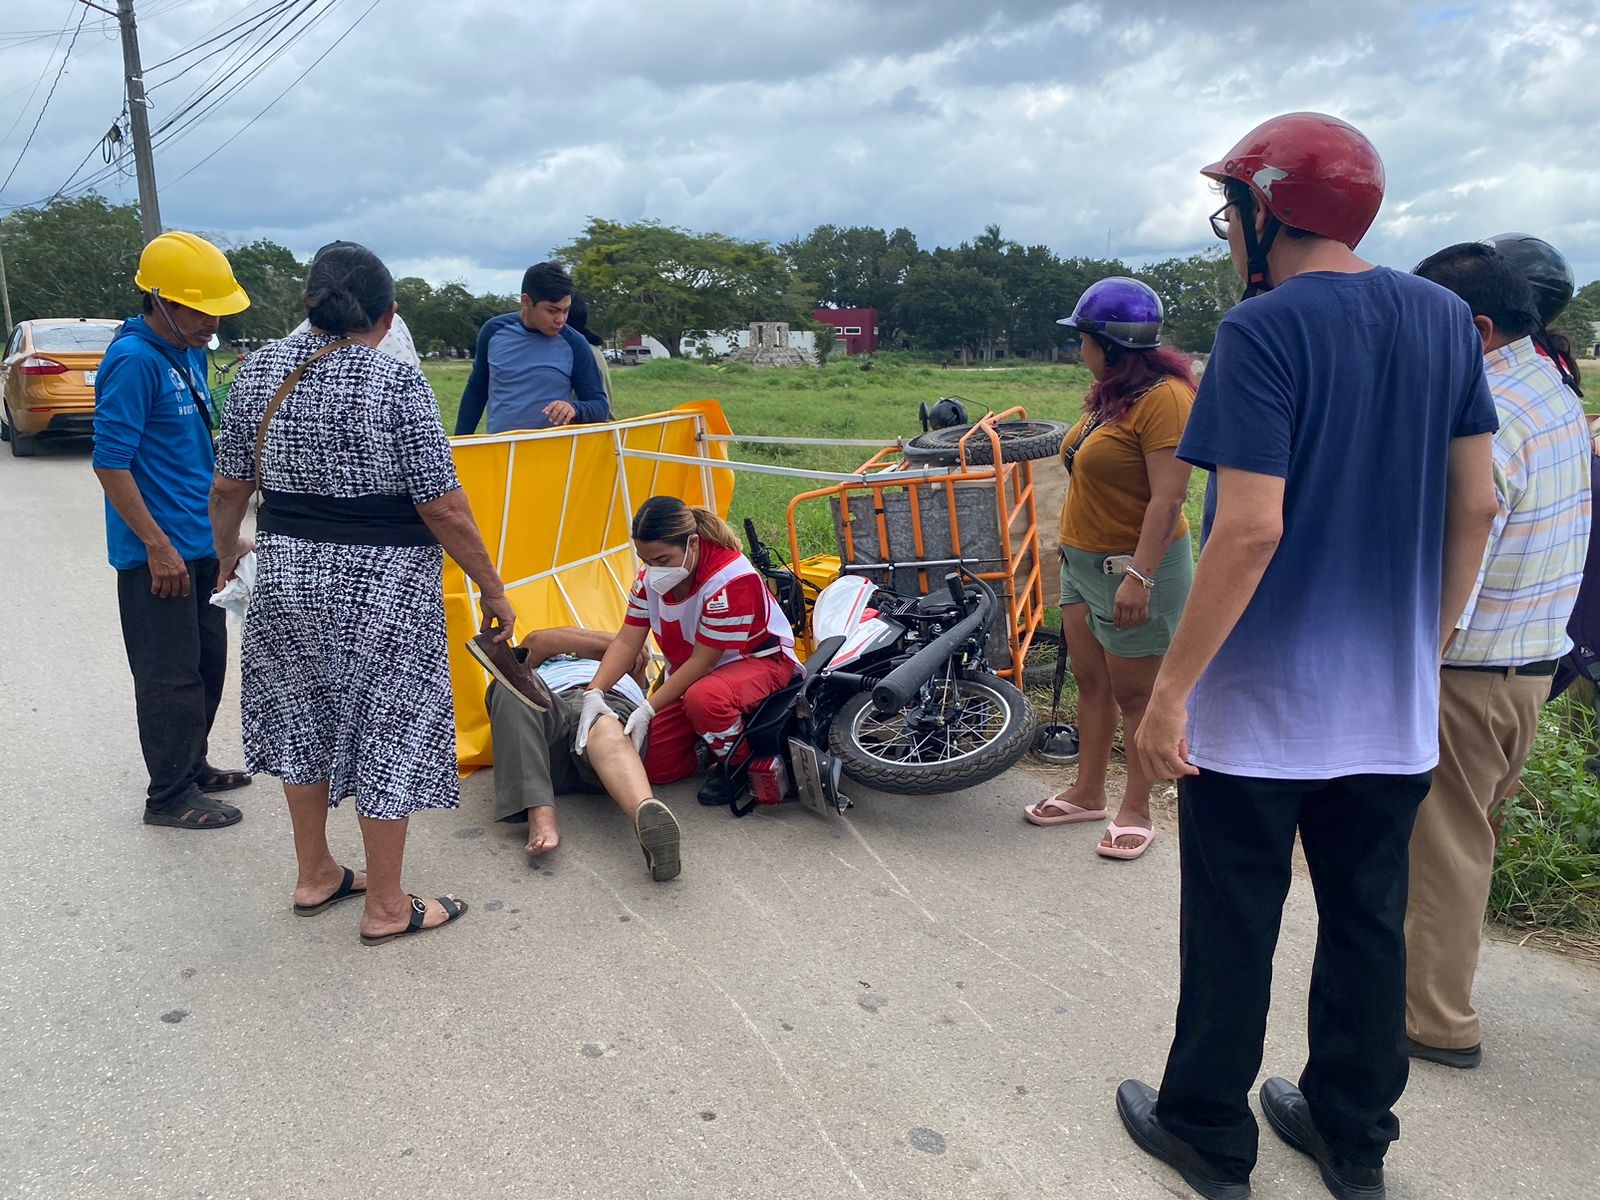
1220, 221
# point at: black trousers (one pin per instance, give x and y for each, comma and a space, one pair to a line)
1236, 839
178, 653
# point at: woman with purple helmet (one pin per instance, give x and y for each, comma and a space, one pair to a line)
1126, 561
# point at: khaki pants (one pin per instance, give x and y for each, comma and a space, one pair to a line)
1486, 726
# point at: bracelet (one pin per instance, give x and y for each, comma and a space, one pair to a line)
1149, 583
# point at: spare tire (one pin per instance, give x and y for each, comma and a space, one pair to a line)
1019, 440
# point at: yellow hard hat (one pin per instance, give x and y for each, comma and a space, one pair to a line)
190, 271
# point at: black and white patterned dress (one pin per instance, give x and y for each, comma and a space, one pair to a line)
343, 674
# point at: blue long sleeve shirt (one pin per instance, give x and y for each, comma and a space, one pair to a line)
148, 420
518, 372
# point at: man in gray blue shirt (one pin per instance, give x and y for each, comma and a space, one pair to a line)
531, 369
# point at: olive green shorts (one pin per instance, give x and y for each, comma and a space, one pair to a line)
1083, 581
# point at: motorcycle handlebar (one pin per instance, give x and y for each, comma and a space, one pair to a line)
896, 689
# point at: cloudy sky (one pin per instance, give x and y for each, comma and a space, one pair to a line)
463, 139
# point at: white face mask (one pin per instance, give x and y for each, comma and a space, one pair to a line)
662, 580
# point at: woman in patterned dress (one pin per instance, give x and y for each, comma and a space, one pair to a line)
344, 679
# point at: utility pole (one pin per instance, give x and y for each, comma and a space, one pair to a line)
5, 292
139, 121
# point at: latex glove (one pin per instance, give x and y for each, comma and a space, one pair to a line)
594, 707
639, 724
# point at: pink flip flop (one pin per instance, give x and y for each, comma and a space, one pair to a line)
1125, 853
1066, 812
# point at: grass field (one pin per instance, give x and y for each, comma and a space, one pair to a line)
836, 401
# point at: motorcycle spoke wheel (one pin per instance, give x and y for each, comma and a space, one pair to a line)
989, 729
979, 720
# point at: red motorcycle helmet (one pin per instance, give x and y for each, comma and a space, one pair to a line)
1312, 172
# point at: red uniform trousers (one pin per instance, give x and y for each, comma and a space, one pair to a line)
712, 712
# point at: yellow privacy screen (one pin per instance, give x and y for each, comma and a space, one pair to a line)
554, 508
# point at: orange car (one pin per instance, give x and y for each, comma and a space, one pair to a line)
47, 378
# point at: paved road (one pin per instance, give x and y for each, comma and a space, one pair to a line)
929, 999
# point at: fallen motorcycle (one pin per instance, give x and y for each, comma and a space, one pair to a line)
897, 694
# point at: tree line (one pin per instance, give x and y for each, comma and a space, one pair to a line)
989, 295
77, 258
992, 295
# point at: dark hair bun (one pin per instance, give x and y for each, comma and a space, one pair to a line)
348, 289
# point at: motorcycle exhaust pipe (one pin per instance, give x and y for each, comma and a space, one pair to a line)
897, 689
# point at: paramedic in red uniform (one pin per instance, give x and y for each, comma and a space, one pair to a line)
727, 645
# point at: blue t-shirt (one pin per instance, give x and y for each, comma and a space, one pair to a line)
148, 420
517, 372
1350, 388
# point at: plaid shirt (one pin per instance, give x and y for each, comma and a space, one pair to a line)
1529, 582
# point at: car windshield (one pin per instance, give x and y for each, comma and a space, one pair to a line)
67, 338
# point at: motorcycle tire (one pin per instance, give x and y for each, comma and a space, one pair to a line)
1019, 440
874, 753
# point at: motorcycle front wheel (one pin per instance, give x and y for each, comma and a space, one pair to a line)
990, 730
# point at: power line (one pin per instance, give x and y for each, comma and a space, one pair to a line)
253, 22
43, 71
196, 108
48, 96
175, 127
282, 94
107, 147
103, 145
15, 41
221, 77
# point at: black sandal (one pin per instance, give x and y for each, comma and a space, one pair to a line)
194, 812
419, 913
212, 780
344, 891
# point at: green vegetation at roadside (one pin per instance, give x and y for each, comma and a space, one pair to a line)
1547, 868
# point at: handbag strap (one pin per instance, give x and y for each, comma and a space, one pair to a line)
1095, 422
1071, 452
282, 394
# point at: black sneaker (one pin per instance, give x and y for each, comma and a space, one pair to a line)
1136, 1105
1290, 1118
717, 791
511, 673
1461, 1060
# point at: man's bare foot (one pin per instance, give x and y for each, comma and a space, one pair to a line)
544, 833
315, 889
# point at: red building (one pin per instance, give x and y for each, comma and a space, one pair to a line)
855, 328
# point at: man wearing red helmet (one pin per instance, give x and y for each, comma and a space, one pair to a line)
1345, 422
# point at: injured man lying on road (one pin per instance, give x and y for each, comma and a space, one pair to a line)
552, 736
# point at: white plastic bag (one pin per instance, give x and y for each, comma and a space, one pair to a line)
234, 599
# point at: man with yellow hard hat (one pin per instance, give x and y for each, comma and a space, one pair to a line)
153, 456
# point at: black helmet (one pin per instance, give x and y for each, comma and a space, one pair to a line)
1544, 267
949, 412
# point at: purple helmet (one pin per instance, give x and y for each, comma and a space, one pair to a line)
1121, 310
